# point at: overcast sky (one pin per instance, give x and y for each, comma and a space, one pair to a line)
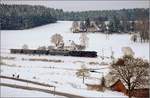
85, 5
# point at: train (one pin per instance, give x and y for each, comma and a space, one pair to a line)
92, 54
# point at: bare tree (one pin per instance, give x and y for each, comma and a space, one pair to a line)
84, 39
56, 39
75, 26
127, 51
83, 72
143, 28
132, 71
25, 46
103, 84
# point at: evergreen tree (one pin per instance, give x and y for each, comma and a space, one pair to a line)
87, 22
114, 25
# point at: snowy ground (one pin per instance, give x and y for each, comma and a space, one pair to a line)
62, 74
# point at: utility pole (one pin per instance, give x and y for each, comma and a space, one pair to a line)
83, 78
102, 54
112, 55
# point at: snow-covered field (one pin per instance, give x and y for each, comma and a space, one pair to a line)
40, 36
62, 74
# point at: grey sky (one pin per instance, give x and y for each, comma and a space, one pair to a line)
85, 5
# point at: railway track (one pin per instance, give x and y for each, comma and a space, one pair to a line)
36, 88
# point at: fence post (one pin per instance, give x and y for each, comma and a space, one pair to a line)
54, 90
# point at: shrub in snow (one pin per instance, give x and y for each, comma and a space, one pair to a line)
41, 48
25, 46
50, 47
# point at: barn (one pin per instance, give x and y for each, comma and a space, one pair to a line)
115, 84
140, 92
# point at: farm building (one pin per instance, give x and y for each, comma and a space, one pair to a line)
138, 92
116, 84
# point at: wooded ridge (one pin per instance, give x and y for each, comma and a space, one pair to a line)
27, 16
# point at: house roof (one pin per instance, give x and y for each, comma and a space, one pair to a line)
116, 83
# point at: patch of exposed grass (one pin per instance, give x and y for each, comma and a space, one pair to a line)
45, 60
94, 63
78, 62
8, 58
1, 62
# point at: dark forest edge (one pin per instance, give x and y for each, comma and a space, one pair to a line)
18, 17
